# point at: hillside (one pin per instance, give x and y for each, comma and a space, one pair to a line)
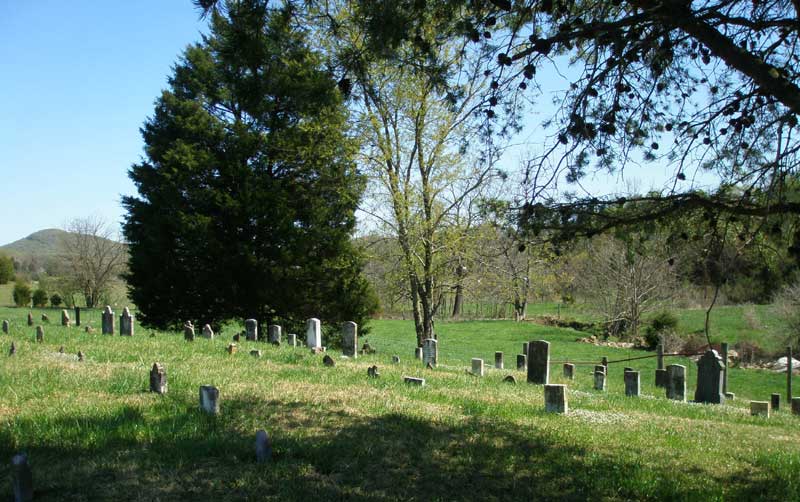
44, 243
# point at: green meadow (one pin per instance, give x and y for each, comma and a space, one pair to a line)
92, 430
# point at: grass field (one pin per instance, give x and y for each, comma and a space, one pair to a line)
93, 432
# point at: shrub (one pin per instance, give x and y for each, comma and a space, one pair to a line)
21, 294
661, 324
56, 300
39, 298
6, 269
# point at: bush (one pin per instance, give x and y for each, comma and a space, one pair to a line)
6, 269
22, 294
661, 324
56, 300
39, 298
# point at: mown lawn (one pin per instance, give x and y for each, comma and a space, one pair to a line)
93, 432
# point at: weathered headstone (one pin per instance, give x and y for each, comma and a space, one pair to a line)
30, 319
600, 367
372, 372
61, 350
313, 333
208, 332
510, 379
80, 356
498, 360
77, 316
414, 380
126, 323
263, 447
676, 382
232, 348
555, 398
158, 379
274, 334
775, 402
255, 353
209, 399
599, 380
251, 330
45, 318
21, 478
350, 339
522, 362
759, 408
291, 339
430, 352
710, 378
569, 371
418, 353
107, 321
632, 386
39, 334
328, 361
65, 318
188, 331
661, 378
237, 337
12, 350
396, 359
5, 327
525, 348
539, 362
477, 366
796, 406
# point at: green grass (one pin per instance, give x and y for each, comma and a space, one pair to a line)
93, 432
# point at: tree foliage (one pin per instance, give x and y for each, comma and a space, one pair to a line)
39, 298
247, 195
21, 294
6, 269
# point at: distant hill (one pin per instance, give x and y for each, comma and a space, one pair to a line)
42, 244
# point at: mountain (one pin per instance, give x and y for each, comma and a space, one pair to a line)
42, 244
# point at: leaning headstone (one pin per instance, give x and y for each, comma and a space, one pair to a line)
12, 350
599, 380
775, 402
759, 408
522, 362
414, 380
126, 323
430, 352
372, 372
251, 330
158, 379
255, 353
291, 339
21, 478
676, 382
64, 318
263, 447
313, 334
396, 359
209, 399
274, 334
188, 331
555, 398
510, 379
107, 321
328, 361
477, 366
710, 379
498, 360
418, 353
77, 316
539, 362
350, 339
796, 406
208, 332
661, 378
39, 334
5, 327
30, 319
569, 371
631, 383
232, 349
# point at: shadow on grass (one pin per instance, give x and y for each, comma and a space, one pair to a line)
182, 454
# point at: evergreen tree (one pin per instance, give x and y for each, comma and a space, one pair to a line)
248, 191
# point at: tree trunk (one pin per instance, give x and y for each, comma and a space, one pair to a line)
459, 299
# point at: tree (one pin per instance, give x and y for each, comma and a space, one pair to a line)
6, 269
247, 194
39, 298
56, 300
94, 257
21, 294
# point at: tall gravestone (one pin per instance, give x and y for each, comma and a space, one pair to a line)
188, 331
158, 379
498, 360
522, 362
539, 362
5, 327
710, 379
313, 334
126, 323
208, 332
430, 352
209, 399
274, 334
632, 383
64, 318
77, 316
107, 321
676, 382
477, 366
30, 319
350, 339
251, 330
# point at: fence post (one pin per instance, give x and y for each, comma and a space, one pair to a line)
660, 354
789, 373
724, 348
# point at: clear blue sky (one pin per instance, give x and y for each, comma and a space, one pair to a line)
77, 80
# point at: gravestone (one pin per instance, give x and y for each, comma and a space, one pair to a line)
525, 348
599, 380
12, 350
372, 372
477, 366
418, 353
795, 403
430, 352
232, 349
367, 348
209, 399
107, 321
263, 447
30, 319
710, 379
775, 402
61, 350
396, 359
291, 339
158, 379
208, 332
255, 353
498, 360
660, 356
539, 362
90, 330
313, 334
676, 382
522, 362
77, 316
126, 323
414, 381
274, 334
626, 368
632, 386
759, 408
350, 339
21, 478
45, 318
569, 371
64, 318
661, 378
188, 331
600, 367
5, 327
251, 330
39, 334
555, 398
604, 362
730, 396
510, 379
80, 356
328, 361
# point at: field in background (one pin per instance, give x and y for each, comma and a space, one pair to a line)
93, 431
